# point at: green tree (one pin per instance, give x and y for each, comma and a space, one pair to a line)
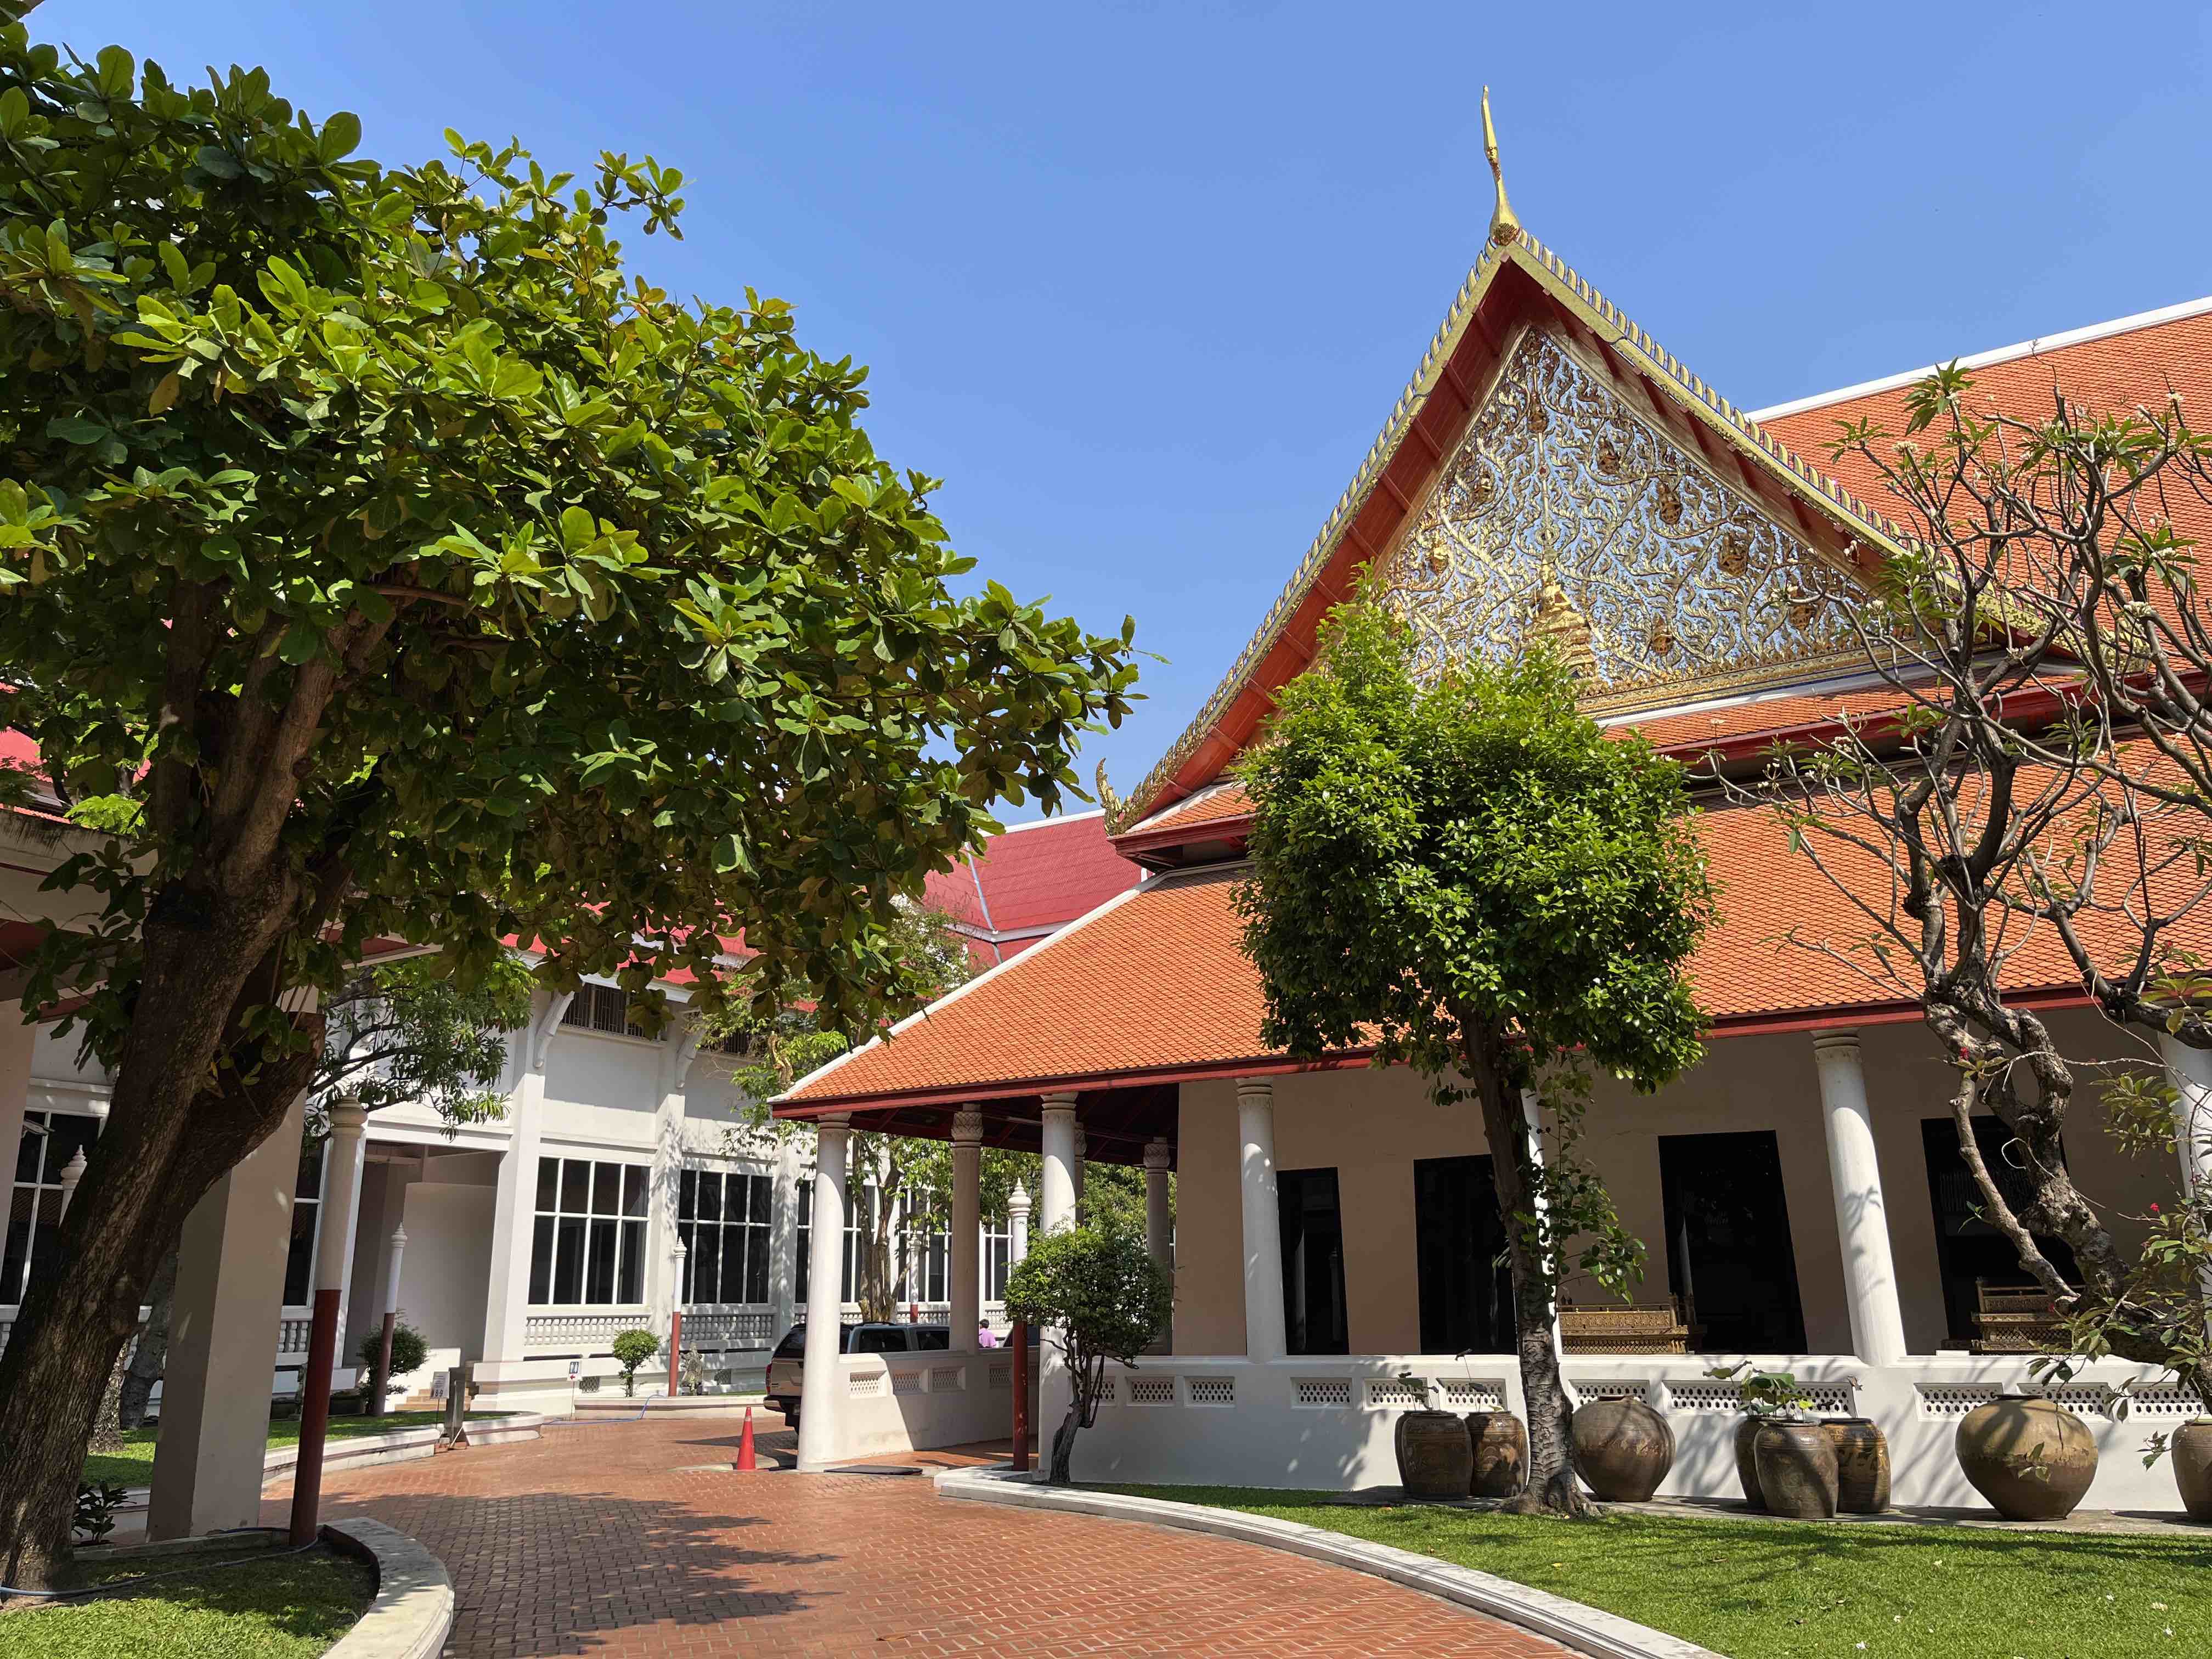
409, 1351
1096, 1290
1476, 879
632, 1349
430, 577
405, 1031
2038, 790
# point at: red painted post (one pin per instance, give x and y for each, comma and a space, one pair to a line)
675, 1350
315, 1418
1021, 1340
383, 1382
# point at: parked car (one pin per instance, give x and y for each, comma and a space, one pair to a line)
787, 1365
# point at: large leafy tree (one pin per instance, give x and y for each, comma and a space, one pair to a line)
1473, 878
430, 577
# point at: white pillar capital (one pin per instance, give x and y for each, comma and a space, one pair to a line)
1158, 1155
349, 1118
1862, 1217
966, 1127
72, 1172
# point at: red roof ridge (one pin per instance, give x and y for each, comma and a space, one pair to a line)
2034, 348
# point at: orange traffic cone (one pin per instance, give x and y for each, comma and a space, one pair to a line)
745, 1458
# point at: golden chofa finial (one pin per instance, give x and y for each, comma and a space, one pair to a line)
1505, 229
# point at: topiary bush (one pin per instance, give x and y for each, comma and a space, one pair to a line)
1100, 1296
632, 1349
409, 1351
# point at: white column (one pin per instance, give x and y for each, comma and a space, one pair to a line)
1532, 1115
792, 1193
964, 1288
2190, 1070
1861, 1219
823, 1385
1082, 1158
514, 1204
1158, 1155
1018, 1225
339, 1215
392, 1273
214, 1388
1056, 1181
663, 1283
1263, 1220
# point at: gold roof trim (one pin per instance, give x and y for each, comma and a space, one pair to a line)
1612, 325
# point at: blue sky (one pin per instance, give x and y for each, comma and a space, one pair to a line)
1140, 282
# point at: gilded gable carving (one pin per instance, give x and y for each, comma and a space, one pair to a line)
1564, 515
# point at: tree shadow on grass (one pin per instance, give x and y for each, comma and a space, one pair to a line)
547, 1571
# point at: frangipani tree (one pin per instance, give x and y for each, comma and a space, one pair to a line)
430, 577
1474, 879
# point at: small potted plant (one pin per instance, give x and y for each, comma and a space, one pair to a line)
1765, 1395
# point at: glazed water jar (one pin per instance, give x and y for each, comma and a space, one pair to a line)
1435, 1458
1747, 1465
1622, 1449
1500, 1445
1796, 1468
1862, 1465
2193, 1467
2028, 1455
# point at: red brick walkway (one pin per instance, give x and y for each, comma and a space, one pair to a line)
609, 1540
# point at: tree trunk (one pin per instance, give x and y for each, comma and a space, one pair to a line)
153, 1350
176, 1122
1063, 1448
106, 1423
1552, 1488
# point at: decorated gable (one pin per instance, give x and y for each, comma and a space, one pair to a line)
1565, 514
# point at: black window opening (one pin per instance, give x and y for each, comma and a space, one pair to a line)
1313, 1262
307, 1205
1466, 1282
588, 1243
50, 1140
1729, 1251
1968, 1247
722, 1217
803, 1257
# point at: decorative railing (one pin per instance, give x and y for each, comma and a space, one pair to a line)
750, 1327
580, 1333
293, 1336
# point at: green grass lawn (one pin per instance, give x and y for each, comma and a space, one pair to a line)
134, 1465
291, 1607
1757, 1589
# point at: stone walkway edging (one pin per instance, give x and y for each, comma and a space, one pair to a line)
412, 1612
401, 1444
1582, 1629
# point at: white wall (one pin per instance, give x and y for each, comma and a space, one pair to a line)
448, 1263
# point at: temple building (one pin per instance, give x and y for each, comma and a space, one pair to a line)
1549, 472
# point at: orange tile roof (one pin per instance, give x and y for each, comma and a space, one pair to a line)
1158, 983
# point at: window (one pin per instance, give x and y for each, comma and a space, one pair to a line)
307, 1205
852, 1208
600, 1008
1313, 1262
1466, 1284
997, 1259
1729, 1251
1968, 1249
588, 1244
723, 1219
924, 1242
35, 1203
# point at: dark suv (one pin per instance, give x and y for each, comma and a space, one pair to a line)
787, 1365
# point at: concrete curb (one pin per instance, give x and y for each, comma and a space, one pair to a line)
1573, 1625
412, 1612
400, 1446
690, 1405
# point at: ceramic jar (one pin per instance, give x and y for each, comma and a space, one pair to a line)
1435, 1458
2029, 1456
1796, 1468
1622, 1449
2193, 1467
1500, 1445
1862, 1465
1747, 1465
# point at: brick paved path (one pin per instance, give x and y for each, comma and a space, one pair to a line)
609, 1540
